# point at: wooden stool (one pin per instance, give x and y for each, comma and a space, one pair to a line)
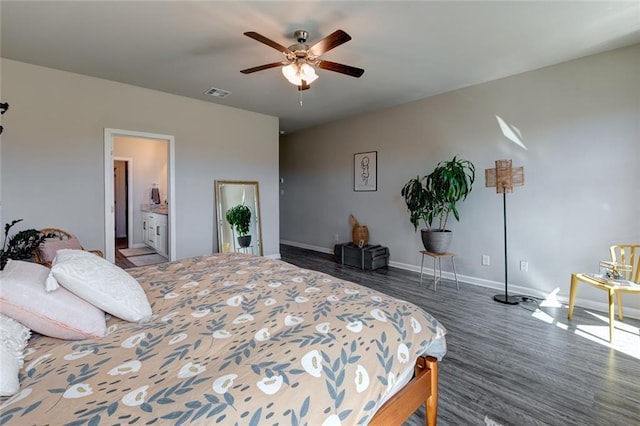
437, 259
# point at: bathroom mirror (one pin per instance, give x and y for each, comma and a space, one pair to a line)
233, 195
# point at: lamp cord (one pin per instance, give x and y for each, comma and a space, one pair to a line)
528, 301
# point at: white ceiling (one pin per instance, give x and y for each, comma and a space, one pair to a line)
410, 50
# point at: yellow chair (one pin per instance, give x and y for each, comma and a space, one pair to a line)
56, 234
627, 254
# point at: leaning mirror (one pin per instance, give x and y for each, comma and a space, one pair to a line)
238, 217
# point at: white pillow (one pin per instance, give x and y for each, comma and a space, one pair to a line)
61, 314
13, 340
102, 284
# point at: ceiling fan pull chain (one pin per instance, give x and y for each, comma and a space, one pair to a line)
300, 98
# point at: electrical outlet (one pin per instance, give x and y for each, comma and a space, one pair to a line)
524, 265
336, 237
485, 260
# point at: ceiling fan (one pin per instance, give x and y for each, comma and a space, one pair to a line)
301, 60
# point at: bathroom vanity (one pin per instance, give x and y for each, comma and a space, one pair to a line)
154, 229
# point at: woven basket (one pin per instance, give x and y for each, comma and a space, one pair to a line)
360, 233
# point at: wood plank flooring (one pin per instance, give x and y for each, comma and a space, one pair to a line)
121, 260
510, 364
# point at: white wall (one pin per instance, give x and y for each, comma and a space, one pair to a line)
148, 167
580, 124
53, 144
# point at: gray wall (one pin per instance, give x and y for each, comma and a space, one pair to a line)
580, 124
53, 149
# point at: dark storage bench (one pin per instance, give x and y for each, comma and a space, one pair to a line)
367, 257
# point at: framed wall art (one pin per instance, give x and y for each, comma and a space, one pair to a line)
365, 171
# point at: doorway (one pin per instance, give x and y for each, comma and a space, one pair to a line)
121, 218
120, 196
123, 205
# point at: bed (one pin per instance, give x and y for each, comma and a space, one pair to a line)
236, 339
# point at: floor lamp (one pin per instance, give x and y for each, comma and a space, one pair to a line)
504, 178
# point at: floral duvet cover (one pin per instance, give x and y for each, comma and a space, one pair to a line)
234, 340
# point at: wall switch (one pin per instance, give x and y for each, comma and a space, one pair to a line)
485, 260
336, 237
524, 265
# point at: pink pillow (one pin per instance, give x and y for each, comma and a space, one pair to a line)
50, 247
59, 314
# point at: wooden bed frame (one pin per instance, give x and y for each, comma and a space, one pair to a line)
423, 388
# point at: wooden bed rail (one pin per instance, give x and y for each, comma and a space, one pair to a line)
423, 388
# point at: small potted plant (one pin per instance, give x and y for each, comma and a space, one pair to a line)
21, 245
239, 217
433, 197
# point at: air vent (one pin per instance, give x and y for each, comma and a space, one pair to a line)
218, 93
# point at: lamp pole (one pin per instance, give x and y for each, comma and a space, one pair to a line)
506, 299
504, 177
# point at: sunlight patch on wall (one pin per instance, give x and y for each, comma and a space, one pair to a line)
511, 132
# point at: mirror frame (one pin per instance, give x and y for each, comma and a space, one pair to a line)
221, 221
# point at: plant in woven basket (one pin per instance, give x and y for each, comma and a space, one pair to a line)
21, 245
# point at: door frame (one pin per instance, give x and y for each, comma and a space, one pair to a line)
109, 219
129, 166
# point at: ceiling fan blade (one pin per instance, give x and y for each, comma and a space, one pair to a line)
334, 39
268, 42
341, 68
263, 67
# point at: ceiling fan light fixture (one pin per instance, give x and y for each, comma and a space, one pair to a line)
297, 72
299, 66
290, 72
308, 73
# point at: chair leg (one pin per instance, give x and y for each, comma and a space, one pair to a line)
435, 282
572, 295
611, 316
619, 306
455, 274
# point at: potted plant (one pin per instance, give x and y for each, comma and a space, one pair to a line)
434, 197
21, 245
239, 217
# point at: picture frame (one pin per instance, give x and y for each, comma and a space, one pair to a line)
365, 171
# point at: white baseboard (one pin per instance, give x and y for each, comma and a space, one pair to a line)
516, 289
274, 256
307, 246
481, 282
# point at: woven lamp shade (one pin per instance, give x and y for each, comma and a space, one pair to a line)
504, 177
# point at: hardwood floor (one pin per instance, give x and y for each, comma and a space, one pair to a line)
121, 260
514, 365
